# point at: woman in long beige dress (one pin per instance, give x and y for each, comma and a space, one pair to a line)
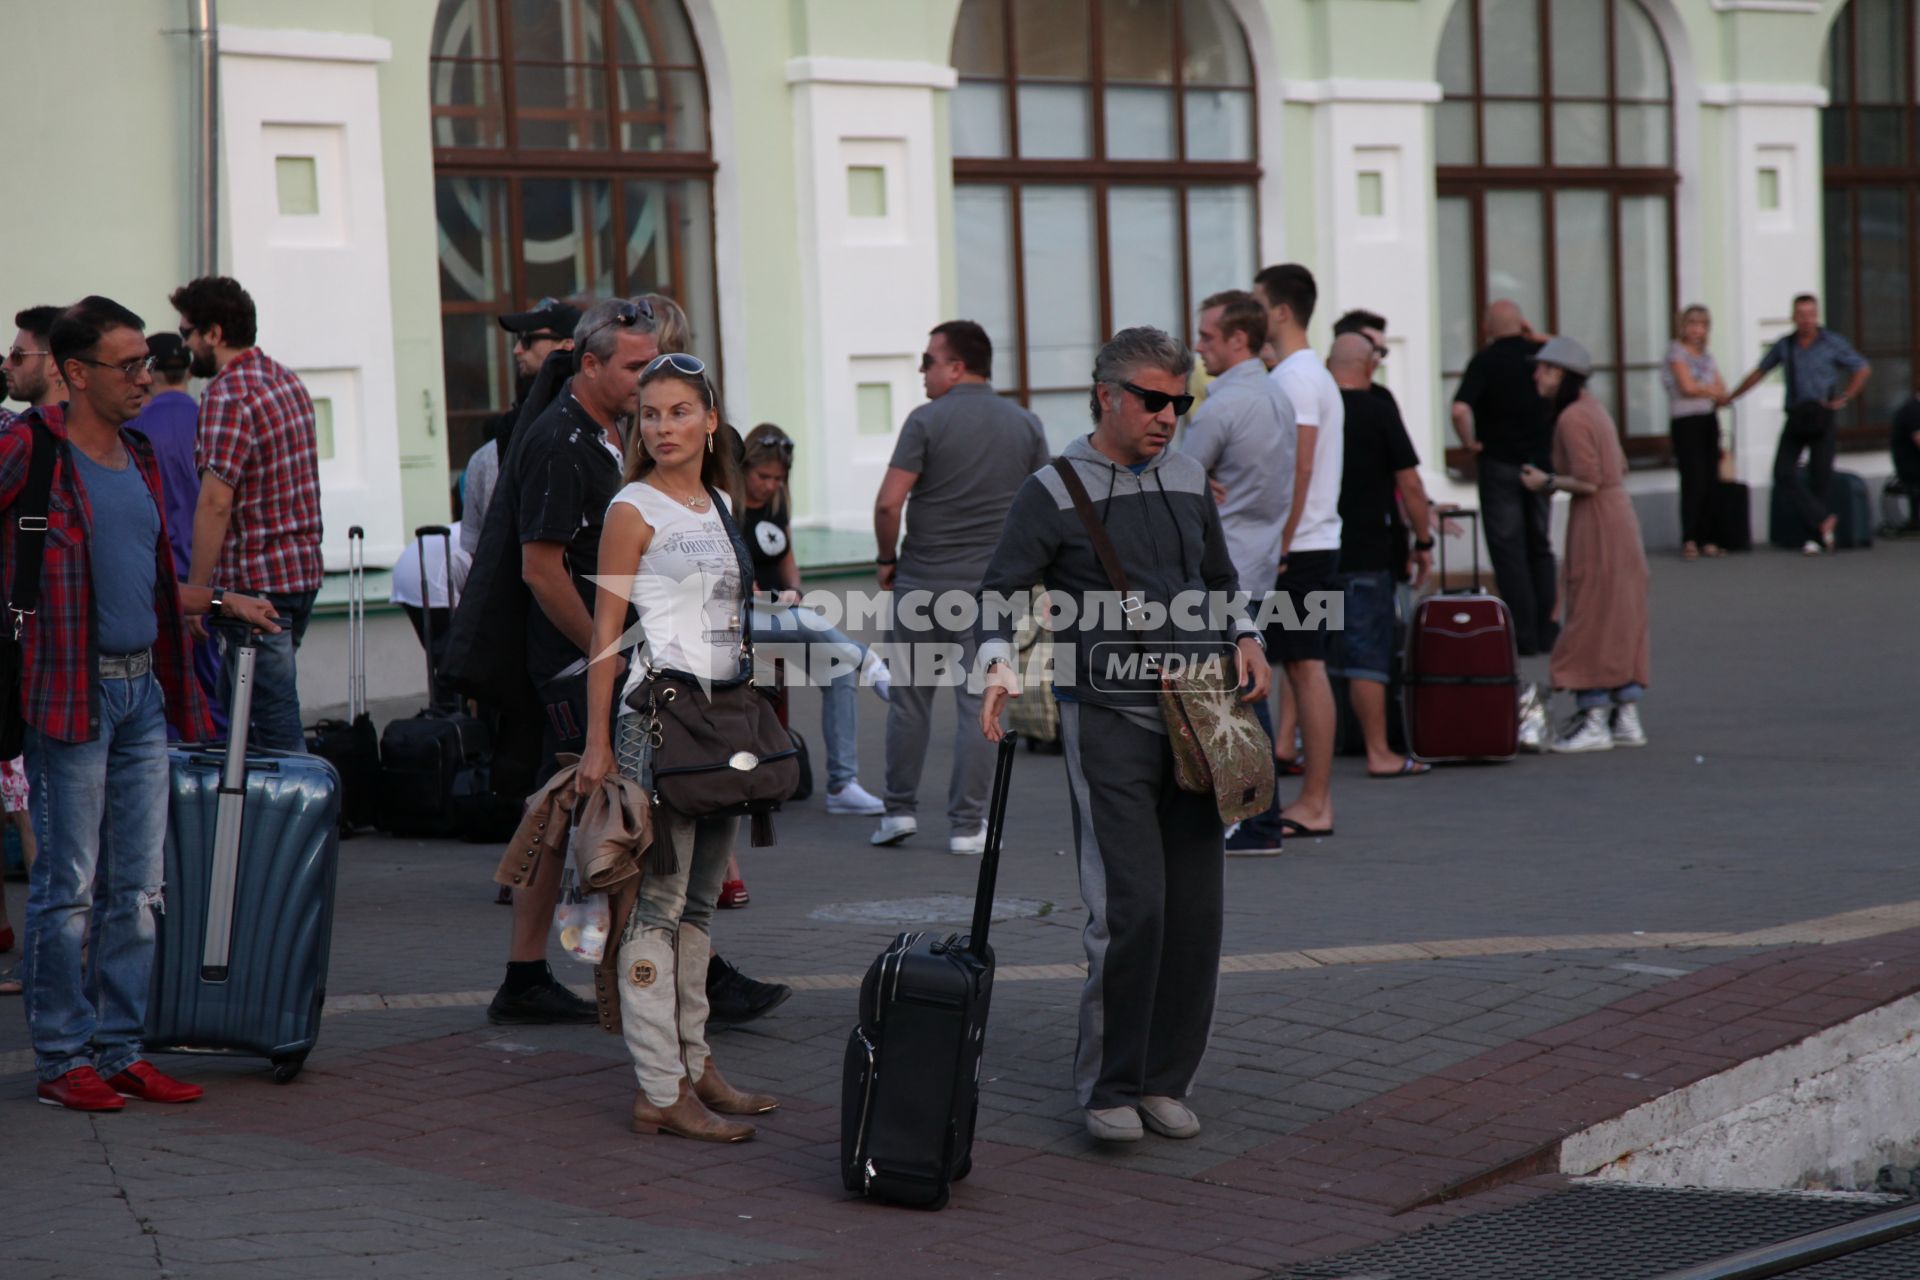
1602, 652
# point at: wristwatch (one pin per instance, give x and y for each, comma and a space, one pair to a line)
886, 559
1423, 544
218, 602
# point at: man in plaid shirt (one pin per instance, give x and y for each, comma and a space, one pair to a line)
257, 525
104, 665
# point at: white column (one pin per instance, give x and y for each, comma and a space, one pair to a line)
869, 249
307, 237
1773, 242
1373, 186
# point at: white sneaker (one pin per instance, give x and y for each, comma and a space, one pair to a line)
969, 846
1169, 1117
1587, 731
894, 829
855, 799
1810, 548
1114, 1124
874, 672
1627, 731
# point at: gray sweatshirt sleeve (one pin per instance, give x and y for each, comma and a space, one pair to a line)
482, 470
1028, 543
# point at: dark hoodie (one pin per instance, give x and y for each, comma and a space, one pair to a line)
1166, 530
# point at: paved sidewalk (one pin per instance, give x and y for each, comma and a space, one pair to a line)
1470, 923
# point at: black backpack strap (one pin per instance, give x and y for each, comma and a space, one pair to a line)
30, 525
745, 558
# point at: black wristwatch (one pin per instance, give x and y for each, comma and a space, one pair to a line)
884, 560
1423, 544
218, 602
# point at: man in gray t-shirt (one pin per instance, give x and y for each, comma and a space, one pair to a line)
960, 459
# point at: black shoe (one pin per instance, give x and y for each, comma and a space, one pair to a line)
547, 1003
734, 998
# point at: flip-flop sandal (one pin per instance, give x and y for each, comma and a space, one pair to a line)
1409, 768
1289, 768
1294, 828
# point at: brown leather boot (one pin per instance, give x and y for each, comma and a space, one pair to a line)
687, 1118
712, 1088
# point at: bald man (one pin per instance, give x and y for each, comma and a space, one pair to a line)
1506, 425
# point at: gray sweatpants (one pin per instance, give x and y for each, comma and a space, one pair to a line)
1152, 871
910, 725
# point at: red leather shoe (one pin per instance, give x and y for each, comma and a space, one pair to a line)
733, 894
81, 1089
142, 1081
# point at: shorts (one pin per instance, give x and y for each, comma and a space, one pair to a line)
13, 785
1365, 648
1304, 573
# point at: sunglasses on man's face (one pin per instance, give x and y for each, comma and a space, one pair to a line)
20, 356
527, 340
1155, 401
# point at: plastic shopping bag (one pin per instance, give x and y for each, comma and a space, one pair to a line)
582, 918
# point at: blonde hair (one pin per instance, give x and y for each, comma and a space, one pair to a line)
671, 328
1687, 313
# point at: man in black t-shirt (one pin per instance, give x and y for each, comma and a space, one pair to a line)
1379, 464
560, 473
1504, 422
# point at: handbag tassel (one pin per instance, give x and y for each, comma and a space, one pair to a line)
762, 829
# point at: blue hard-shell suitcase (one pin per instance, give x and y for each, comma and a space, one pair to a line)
253, 847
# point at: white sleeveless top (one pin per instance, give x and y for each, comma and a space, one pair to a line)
686, 590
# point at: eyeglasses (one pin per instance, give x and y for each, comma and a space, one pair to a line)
126, 368
626, 314
780, 446
680, 360
1155, 401
17, 356
187, 331
1380, 352
528, 339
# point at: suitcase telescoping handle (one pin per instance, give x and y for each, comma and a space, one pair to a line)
990, 857
1440, 519
356, 622
229, 807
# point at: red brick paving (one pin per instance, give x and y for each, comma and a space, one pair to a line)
1477, 1135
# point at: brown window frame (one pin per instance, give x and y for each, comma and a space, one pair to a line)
1474, 182
1100, 175
513, 165
1862, 427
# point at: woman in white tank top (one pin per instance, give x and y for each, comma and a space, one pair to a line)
666, 543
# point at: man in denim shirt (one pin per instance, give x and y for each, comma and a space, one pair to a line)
1814, 359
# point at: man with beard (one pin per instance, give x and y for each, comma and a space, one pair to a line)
257, 522
537, 334
32, 377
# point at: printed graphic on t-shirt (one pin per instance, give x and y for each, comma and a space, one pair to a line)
772, 539
710, 591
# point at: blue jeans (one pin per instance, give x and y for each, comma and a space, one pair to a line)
1588, 699
839, 720
100, 815
276, 684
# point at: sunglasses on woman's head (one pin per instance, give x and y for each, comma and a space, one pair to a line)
692, 366
1155, 401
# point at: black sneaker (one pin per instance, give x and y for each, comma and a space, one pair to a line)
547, 1003
734, 998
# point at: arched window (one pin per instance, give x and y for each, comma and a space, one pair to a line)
570, 155
1105, 162
1554, 145
1872, 180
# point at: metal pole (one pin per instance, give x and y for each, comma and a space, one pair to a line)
203, 26
1805, 1250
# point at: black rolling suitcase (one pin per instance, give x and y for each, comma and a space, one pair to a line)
352, 746
911, 1090
1732, 516
434, 775
253, 845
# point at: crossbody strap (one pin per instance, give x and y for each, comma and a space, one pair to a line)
1103, 548
30, 524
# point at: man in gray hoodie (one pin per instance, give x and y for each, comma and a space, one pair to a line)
1150, 855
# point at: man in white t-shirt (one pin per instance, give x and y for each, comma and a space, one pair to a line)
437, 604
1309, 545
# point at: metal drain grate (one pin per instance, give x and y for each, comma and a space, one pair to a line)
1613, 1231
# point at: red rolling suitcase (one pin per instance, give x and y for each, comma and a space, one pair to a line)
1462, 671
